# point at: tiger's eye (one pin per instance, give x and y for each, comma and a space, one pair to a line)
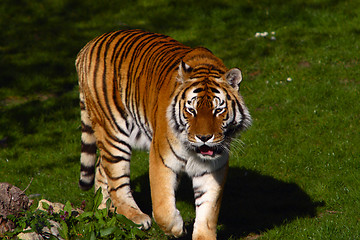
192, 111
218, 111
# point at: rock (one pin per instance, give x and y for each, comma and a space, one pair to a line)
55, 226
55, 206
12, 200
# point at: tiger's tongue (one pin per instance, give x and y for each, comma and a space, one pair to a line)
205, 150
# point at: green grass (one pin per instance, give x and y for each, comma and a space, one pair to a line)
297, 174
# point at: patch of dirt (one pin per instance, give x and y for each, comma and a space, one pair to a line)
17, 100
304, 64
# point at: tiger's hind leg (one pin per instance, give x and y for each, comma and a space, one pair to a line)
113, 176
101, 182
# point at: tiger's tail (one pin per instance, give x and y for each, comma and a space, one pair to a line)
88, 149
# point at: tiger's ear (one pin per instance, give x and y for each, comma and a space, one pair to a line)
234, 77
183, 70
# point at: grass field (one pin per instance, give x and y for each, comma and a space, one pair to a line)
297, 173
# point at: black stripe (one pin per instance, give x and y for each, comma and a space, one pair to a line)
177, 156
198, 194
119, 187
82, 105
119, 177
101, 172
88, 148
181, 125
85, 185
208, 67
240, 107
98, 162
115, 159
176, 124
118, 148
174, 104
114, 138
89, 170
107, 172
163, 161
198, 90
122, 111
86, 128
123, 143
226, 117
105, 183
155, 111
201, 174
233, 122
199, 204
214, 90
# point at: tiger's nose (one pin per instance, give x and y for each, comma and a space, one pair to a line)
204, 138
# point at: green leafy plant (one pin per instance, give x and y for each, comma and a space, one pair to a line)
93, 224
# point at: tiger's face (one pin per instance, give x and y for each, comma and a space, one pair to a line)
205, 110
208, 110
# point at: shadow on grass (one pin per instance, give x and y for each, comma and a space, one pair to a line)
252, 203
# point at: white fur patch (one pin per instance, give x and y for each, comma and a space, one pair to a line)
88, 138
196, 166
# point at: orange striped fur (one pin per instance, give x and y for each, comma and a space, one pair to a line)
146, 90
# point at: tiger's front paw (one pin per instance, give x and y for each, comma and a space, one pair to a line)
143, 220
176, 228
172, 224
204, 230
137, 216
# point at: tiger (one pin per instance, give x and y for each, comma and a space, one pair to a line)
142, 90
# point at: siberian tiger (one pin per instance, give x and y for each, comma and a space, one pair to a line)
146, 90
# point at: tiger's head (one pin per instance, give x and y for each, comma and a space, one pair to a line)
208, 110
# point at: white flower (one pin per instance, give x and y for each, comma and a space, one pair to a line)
289, 79
265, 34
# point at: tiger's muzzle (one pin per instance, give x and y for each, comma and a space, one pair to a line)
206, 148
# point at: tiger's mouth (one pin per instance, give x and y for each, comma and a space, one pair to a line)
207, 151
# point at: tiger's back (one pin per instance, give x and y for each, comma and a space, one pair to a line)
146, 90
131, 68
